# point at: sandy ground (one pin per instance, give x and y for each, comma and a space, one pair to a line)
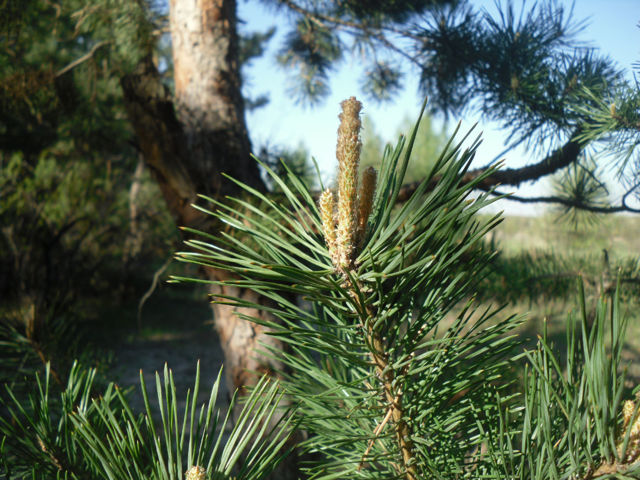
181, 352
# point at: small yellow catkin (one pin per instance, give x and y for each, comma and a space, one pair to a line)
367, 190
633, 447
627, 412
326, 206
348, 155
196, 473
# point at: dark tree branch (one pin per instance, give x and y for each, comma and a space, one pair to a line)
573, 203
159, 135
558, 159
569, 203
322, 18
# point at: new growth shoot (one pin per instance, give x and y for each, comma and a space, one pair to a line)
344, 225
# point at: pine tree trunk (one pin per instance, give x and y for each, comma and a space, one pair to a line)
189, 140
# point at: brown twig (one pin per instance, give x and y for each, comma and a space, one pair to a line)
376, 434
393, 394
151, 289
82, 59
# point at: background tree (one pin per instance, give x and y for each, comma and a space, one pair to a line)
524, 70
65, 168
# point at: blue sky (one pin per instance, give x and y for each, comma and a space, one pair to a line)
611, 26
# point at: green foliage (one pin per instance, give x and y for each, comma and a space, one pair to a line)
374, 338
383, 81
66, 165
395, 10
582, 183
372, 144
52, 242
569, 424
282, 160
387, 383
522, 67
524, 271
253, 45
78, 433
57, 75
61, 247
312, 49
319, 36
426, 148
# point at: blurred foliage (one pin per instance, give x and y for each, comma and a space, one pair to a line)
313, 49
552, 274
382, 81
63, 242
315, 44
253, 45
523, 67
67, 175
580, 182
427, 146
59, 228
282, 159
372, 144
385, 10
539, 259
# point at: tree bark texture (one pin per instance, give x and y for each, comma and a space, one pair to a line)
191, 138
208, 95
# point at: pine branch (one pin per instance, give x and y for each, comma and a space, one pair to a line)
386, 389
554, 199
331, 22
393, 395
558, 159
350, 225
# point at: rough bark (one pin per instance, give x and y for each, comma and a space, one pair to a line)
160, 138
191, 138
208, 95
